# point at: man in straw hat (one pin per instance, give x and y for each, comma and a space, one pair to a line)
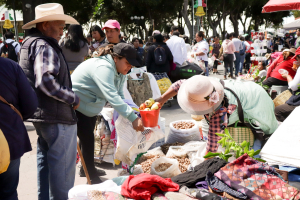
55, 120
200, 95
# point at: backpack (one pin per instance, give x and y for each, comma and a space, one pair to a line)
160, 55
9, 49
242, 52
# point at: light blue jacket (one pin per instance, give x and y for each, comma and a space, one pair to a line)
97, 81
257, 104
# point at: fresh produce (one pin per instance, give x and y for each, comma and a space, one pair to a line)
143, 106
150, 105
163, 167
240, 149
164, 84
183, 125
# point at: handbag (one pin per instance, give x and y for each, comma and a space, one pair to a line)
241, 131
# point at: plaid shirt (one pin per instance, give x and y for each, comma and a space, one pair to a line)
217, 122
46, 65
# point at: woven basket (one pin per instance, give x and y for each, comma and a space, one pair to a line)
282, 98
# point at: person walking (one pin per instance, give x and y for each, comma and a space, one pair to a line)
242, 54
238, 47
74, 47
16, 90
55, 121
297, 42
10, 49
177, 47
139, 50
228, 55
200, 50
97, 81
159, 56
215, 52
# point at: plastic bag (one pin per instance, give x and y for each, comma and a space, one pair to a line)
173, 170
153, 152
130, 142
178, 151
184, 135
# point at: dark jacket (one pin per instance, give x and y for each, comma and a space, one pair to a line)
15, 89
122, 41
49, 109
150, 60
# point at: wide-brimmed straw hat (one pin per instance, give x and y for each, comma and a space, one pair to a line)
49, 12
200, 95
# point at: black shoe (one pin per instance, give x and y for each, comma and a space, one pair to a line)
96, 180
99, 172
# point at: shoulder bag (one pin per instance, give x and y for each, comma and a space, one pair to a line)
243, 130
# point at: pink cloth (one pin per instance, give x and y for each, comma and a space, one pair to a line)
228, 47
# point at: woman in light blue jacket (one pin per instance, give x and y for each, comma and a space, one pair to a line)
97, 81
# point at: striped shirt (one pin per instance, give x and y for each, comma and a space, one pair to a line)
46, 64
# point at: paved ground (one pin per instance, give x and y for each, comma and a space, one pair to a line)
27, 189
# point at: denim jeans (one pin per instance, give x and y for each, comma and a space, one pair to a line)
56, 160
9, 181
256, 145
242, 59
206, 68
237, 62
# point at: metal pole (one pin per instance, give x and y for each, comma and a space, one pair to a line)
16, 28
193, 10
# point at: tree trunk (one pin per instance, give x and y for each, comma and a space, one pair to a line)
256, 24
234, 20
185, 16
29, 13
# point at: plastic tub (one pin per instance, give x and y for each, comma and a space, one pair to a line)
150, 118
253, 51
283, 71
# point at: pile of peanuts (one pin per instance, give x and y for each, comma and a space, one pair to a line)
163, 167
183, 125
146, 164
184, 162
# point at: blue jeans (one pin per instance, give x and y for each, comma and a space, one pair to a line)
56, 160
257, 145
9, 181
237, 62
206, 68
242, 59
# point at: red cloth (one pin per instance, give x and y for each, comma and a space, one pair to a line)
297, 51
143, 186
251, 48
281, 64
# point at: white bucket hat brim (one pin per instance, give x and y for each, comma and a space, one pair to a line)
199, 108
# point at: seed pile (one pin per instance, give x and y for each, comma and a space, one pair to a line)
165, 147
146, 164
163, 167
183, 125
184, 162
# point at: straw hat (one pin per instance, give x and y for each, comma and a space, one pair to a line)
49, 12
200, 95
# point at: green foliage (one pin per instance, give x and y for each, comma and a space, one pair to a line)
296, 13
231, 148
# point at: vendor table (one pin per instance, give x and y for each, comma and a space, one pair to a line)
283, 147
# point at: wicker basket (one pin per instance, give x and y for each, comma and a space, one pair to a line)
282, 98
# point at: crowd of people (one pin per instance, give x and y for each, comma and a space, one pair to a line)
52, 82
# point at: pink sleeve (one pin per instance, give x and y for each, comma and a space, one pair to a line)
233, 47
176, 86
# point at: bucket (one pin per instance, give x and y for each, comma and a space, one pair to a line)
150, 118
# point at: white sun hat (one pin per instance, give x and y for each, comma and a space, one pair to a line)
49, 12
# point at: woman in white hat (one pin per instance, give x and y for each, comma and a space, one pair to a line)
200, 95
